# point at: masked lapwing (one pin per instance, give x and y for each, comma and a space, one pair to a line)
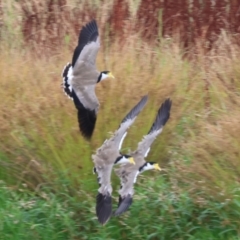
128, 173
106, 157
81, 76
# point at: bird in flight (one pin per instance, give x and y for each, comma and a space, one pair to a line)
128, 173
81, 76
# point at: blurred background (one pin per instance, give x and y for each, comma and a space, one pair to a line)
187, 50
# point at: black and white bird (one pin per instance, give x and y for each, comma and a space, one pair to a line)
128, 173
81, 76
106, 157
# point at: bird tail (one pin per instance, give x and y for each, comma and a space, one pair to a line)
66, 84
103, 207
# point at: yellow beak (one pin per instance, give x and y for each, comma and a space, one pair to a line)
110, 75
131, 160
156, 166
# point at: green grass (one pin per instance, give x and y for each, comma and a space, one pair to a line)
67, 215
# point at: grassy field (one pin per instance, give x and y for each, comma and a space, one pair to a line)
47, 189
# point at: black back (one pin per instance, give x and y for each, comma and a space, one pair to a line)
88, 33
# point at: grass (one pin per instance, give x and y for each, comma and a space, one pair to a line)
47, 188
62, 216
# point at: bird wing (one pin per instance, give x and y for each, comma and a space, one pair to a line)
88, 44
128, 178
157, 127
123, 204
128, 120
89, 53
87, 96
87, 104
103, 208
104, 199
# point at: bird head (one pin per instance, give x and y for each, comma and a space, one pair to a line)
124, 159
105, 74
149, 166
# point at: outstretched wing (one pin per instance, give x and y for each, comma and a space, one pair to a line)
123, 204
128, 120
128, 178
87, 113
88, 42
157, 127
103, 208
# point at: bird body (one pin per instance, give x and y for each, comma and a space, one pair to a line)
128, 173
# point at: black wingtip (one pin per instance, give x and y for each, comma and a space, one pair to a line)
65, 75
162, 115
136, 109
123, 205
88, 33
164, 111
86, 118
119, 199
103, 208
86, 121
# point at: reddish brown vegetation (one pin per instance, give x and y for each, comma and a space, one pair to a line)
120, 20
191, 20
148, 19
47, 23
1, 16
